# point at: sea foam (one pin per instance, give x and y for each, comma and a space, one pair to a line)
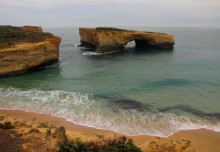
91, 53
81, 109
95, 53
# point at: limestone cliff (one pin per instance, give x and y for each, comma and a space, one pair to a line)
23, 48
111, 39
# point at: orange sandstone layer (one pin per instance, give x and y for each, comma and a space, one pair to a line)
111, 39
23, 48
201, 140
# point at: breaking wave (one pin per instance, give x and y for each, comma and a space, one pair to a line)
82, 109
76, 45
91, 53
94, 53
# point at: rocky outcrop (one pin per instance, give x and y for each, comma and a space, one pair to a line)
174, 146
111, 39
23, 48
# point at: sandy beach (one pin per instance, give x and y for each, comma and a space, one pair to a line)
202, 140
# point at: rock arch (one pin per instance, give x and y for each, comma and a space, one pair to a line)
111, 39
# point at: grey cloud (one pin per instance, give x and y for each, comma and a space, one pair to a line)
52, 13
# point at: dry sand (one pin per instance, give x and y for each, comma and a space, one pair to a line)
202, 140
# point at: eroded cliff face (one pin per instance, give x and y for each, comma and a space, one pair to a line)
108, 40
23, 48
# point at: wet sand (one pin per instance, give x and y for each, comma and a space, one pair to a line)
202, 140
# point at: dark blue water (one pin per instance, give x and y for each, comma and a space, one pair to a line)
135, 92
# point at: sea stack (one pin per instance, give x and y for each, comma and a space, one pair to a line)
24, 48
112, 39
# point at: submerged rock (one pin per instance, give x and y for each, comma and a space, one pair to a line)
128, 104
111, 39
24, 48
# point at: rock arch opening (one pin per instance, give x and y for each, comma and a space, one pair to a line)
143, 43
138, 43
130, 44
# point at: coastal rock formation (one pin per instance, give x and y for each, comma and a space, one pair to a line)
23, 48
112, 39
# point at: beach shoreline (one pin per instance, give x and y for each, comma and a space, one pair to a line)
202, 140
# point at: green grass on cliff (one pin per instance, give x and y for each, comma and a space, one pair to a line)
110, 28
10, 35
117, 29
117, 144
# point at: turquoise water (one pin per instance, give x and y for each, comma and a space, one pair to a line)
134, 92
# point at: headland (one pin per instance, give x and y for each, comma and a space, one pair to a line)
24, 48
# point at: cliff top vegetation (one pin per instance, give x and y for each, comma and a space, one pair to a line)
10, 35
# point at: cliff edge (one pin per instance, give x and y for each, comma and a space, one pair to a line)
23, 48
112, 39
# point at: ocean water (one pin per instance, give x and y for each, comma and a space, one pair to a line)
133, 92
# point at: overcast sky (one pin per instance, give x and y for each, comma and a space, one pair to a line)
74, 13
